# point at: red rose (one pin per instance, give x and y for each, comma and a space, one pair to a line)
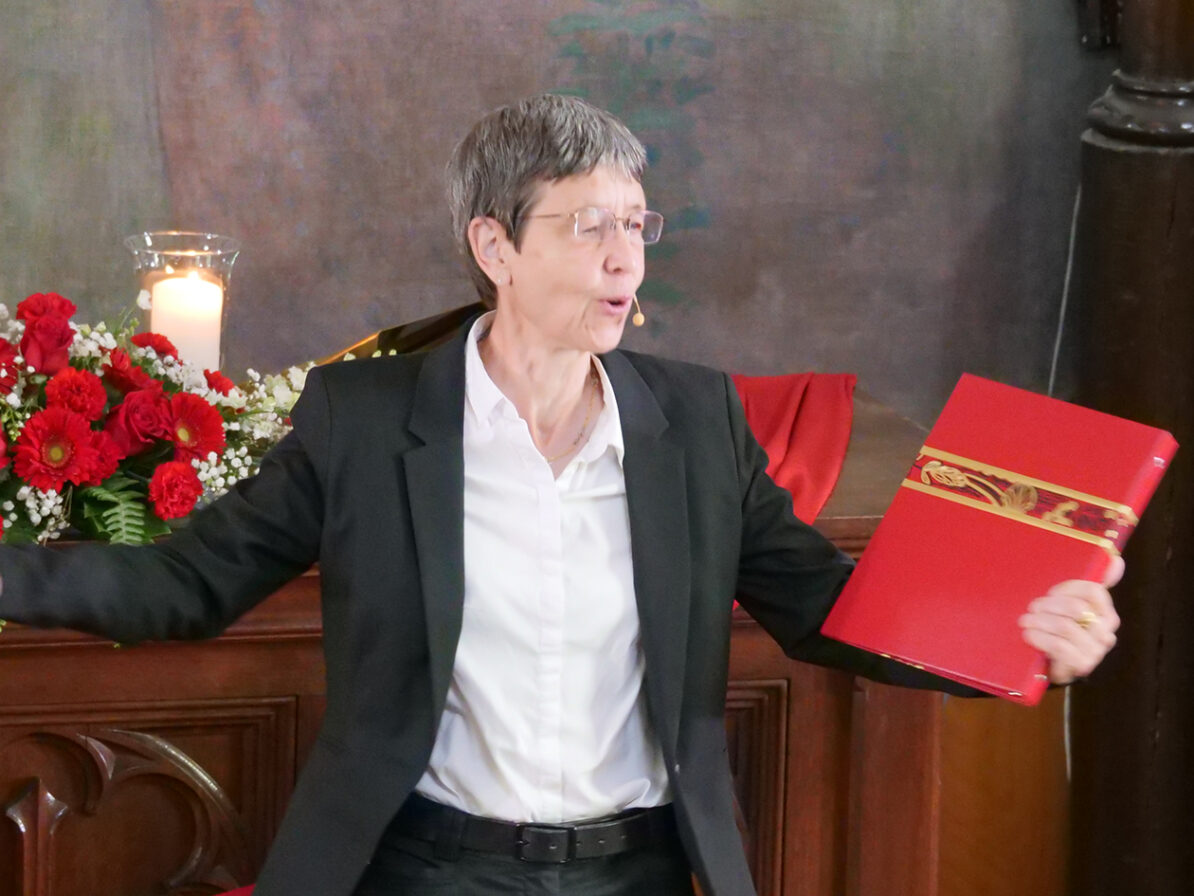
196, 427
174, 489
136, 422
41, 304
55, 447
46, 343
123, 374
158, 343
217, 382
8, 365
80, 390
4, 458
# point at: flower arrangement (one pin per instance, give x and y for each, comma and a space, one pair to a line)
108, 432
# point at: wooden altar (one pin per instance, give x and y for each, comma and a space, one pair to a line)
166, 768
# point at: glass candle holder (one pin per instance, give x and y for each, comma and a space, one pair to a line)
186, 274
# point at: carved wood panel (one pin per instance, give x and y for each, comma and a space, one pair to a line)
756, 730
189, 813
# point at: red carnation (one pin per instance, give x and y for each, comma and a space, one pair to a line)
174, 489
55, 447
8, 365
158, 343
196, 427
42, 304
80, 390
136, 422
123, 374
217, 382
4, 458
46, 343
107, 457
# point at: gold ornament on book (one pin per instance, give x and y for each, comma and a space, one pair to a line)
1018, 496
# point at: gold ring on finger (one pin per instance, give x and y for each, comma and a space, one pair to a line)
1086, 619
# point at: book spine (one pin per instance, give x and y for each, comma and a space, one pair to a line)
1150, 473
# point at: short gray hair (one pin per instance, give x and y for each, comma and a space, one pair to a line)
496, 169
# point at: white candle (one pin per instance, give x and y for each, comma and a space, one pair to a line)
187, 311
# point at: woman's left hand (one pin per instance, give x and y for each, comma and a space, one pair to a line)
1074, 625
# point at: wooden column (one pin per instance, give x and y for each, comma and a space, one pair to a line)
1133, 723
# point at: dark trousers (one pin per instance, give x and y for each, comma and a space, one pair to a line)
405, 866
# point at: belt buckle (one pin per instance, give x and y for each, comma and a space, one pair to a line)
545, 843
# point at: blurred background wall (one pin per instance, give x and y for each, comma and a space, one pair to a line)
850, 185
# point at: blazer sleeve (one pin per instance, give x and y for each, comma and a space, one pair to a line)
789, 575
228, 557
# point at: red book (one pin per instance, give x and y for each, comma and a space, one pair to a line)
1012, 493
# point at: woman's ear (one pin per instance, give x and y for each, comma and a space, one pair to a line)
488, 241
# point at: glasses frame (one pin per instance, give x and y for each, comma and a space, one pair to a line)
615, 220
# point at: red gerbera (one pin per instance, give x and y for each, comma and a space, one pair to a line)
8, 365
158, 343
217, 382
174, 489
123, 374
80, 390
196, 427
55, 447
41, 304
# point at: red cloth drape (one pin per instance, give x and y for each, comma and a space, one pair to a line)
803, 421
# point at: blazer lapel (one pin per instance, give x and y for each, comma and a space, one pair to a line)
435, 485
657, 504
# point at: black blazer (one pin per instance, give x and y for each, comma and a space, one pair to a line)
370, 484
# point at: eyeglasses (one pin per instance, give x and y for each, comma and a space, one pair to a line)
595, 224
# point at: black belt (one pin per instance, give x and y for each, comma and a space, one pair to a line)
452, 830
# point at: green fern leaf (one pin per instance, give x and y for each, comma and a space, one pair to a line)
116, 512
124, 522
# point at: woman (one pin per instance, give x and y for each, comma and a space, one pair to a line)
529, 545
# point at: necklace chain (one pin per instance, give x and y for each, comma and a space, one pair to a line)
584, 426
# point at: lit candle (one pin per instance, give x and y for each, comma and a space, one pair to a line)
187, 311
